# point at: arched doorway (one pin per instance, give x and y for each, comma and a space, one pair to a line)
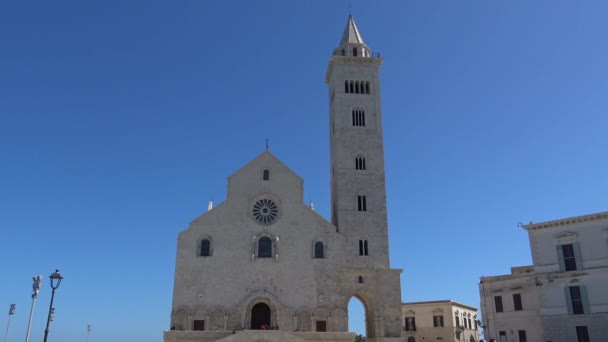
260, 315
358, 320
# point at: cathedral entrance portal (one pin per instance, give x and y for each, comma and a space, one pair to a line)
260, 315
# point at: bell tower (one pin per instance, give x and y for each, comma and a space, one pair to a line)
358, 190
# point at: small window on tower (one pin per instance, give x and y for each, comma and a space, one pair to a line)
358, 116
343, 52
361, 203
354, 52
360, 163
319, 250
206, 248
266, 175
363, 247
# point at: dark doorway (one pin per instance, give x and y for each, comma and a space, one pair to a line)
260, 315
199, 325
322, 326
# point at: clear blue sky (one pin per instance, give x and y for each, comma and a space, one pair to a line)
120, 120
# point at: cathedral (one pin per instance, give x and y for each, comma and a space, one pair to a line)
264, 266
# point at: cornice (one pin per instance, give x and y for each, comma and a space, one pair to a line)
347, 59
566, 221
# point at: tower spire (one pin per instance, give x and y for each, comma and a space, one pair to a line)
352, 44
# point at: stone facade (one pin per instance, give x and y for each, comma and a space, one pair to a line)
562, 297
263, 258
441, 320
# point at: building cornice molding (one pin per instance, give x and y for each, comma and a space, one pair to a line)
346, 59
566, 221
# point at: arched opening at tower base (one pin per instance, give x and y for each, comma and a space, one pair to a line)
357, 321
260, 316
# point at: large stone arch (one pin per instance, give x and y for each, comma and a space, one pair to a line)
255, 298
368, 306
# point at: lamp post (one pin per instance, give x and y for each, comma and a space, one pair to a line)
88, 332
36, 287
11, 312
56, 279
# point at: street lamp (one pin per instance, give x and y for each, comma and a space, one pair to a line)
56, 279
11, 312
88, 332
36, 287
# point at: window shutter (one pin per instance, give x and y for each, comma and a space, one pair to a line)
560, 258
568, 300
585, 300
577, 256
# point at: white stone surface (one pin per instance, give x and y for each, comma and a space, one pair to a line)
542, 285
423, 313
221, 289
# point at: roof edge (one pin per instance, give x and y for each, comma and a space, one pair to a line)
566, 221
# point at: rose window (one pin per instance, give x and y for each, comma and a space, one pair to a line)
265, 211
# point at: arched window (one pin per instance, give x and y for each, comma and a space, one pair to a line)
360, 279
411, 339
264, 247
346, 87
363, 247
266, 175
352, 87
358, 117
354, 52
361, 203
319, 250
206, 247
367, 87
343, 52
360, 162
357, 87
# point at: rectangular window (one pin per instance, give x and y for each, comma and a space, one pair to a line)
569, 257
582, 334
498, 303
198, 324
437, 321
522, 335
502, 336
322, 326
470, 326
517, 302
361, 203
457, 321
576, 300
410, 324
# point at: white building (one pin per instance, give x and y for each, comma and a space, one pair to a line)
440, 320
264, 259
563, 296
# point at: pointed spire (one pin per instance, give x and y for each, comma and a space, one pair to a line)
352, 44
351, 33
210, 206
